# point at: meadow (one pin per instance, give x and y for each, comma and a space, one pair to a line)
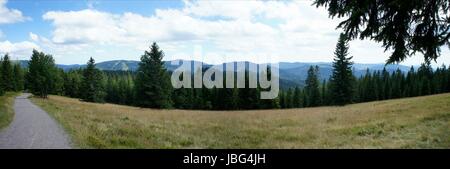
420, 122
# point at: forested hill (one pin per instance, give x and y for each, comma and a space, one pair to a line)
291, 73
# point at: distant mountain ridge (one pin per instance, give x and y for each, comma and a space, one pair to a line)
291, 73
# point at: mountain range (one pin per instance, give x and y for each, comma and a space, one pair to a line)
291, 73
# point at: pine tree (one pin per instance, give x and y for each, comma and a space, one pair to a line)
324, 93
58, 87
282, 99
425, 73
153, 86
248, 97
18, 78
92, 85
342, 78
72, 83
297, 102
312, 91
385, 85
41, 74
409, 88
375, 86
111, 90
130, 90
226, 98
397, 81
7, 74
234, 98
289, 98
122, 90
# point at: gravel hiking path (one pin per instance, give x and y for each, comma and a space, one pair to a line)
32, 128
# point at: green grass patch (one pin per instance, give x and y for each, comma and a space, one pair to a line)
6, 109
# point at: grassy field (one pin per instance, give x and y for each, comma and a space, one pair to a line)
6, 109
422, 122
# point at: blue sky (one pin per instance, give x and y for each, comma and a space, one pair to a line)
210, 31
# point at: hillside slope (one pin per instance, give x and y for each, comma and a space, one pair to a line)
421, 122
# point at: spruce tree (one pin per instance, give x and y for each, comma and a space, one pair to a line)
92, 85
342, 78
248, 97
324, 93
72, 83
122, 90
111, 90
234, 98
289, 98
7, 74
297, 98
385, 85
18, 78
58, 87
153, 86
41, 74
282, 97
312, 91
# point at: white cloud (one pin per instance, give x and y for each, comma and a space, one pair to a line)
10, 15
242, 30
33, 36
244, 10
165, 25
174, 25
20, 50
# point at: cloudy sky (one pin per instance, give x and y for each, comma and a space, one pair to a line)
216, 31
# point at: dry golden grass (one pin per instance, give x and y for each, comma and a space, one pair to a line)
422, 122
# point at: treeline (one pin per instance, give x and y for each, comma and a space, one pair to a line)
377, 85
11, 76
150, 85
343, 88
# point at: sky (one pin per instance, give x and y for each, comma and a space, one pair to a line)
209, 31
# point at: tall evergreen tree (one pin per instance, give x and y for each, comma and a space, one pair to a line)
324, 93
289, 98
58, 87
41, 74
282, 97
153, 86
382, 82
72, 83
397, 80
312, 91
297, 102
18, 81
92, 85
341, 80
7, 74
248, 97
